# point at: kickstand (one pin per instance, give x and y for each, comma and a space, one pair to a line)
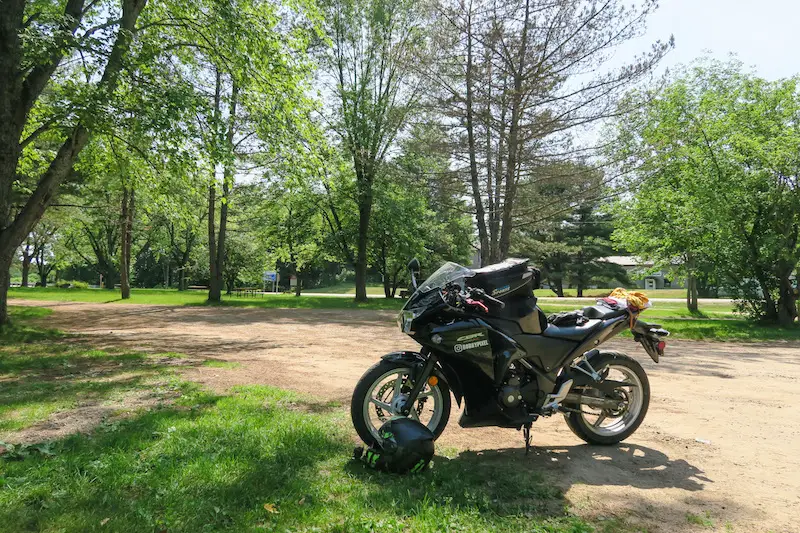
526, 432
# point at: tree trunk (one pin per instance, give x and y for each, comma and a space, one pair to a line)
513, 140
580, 290
229, 286
797, 289
480, 214
691, 285
298, 284
126, 221
558, 288
213, 292
18, 95
26, 268
364, 212
5, 282
109, 278
217, 260
787, 300
387, 287
691, 293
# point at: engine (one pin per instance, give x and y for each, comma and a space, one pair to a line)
518, 388
510, 395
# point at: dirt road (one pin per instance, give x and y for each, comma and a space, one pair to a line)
721, 441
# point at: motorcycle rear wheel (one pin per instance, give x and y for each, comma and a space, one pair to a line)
589, 426
379, 392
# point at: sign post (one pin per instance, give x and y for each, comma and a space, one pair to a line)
272, 277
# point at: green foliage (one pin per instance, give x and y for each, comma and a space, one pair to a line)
715, 163
72, 284
568, 248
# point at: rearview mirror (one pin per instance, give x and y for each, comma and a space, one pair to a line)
413, 267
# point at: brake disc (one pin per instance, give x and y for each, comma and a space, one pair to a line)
389, 385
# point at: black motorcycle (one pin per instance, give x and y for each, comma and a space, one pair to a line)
485, 340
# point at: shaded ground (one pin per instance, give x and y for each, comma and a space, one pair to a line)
739, 399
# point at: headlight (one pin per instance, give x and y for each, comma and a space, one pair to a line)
404, 320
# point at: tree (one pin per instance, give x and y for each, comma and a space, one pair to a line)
570, 243
250, 72
715, 162
588, 231
400, 229
30, 55
513, 80
374, 46
37, 250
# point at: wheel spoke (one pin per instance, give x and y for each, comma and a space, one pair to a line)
425, 394
383, 405
599, 420
398, 385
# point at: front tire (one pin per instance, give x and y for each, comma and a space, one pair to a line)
379, 391
589, 426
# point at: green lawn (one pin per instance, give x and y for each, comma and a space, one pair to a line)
257, 459
175, 297
716, 321
592, 293
349, 288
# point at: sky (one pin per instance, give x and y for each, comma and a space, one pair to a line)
762, 33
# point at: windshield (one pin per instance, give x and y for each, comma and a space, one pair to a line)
447, 272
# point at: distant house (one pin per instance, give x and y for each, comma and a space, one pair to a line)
642, 273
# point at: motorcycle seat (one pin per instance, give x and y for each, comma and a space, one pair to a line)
601, 312
572, 333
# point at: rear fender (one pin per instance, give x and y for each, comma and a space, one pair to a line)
442, 370
649, 336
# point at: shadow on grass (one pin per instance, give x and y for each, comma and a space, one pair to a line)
43, 372
258, 460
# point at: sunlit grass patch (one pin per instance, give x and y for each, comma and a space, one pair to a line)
249, 462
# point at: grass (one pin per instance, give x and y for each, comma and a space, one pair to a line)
175, 297
257, 459
700, 520
715, 322
594, 293
44, 371
348, 288
245, 462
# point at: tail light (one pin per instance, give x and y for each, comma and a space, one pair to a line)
661, 345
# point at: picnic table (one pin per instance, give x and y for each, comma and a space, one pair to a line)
248, 292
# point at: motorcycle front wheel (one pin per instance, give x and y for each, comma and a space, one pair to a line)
381, 393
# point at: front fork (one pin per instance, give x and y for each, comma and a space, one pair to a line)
420, 379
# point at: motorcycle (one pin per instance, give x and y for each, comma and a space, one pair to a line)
485, 340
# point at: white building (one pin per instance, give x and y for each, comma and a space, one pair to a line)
642, 272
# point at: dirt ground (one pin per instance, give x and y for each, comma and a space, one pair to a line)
721, 440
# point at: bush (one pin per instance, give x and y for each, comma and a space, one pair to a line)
72, 284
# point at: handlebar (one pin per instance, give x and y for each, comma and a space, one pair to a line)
457, 297
481, 294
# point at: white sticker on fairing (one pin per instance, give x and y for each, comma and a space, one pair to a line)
470, 337
458, 348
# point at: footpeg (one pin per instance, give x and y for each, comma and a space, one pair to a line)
553, 401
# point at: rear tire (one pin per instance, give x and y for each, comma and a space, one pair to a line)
584, 430
365, 384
